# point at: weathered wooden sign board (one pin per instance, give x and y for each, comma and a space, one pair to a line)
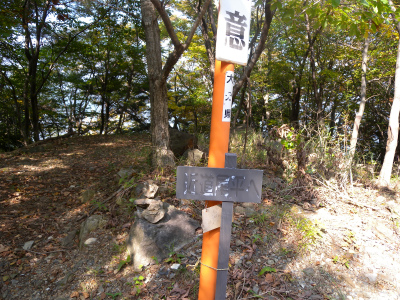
228, 185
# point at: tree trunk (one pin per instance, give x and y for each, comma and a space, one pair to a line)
102, 115
333, 116
317, 97
295, 109
393, 130
107, 116
27, 121
162, 155
363, 100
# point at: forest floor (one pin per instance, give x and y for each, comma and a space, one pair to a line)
347, 248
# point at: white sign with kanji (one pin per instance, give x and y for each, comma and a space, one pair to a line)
227, 106
233, 31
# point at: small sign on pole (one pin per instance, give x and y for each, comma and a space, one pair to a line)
233, 31
228, 185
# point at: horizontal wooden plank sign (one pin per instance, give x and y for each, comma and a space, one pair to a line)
219, 184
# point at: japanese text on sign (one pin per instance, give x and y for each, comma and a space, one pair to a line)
227, 106
233, 31
219, 184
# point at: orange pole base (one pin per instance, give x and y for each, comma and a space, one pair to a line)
219, 142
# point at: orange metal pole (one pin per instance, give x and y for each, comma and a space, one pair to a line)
219, 142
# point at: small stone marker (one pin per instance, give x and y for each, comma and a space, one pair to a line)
227, 185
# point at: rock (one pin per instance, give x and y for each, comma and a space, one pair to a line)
175, 267
68, 241
246, 211
163, 272
180, 141
239, 243
90, 241
256, 289
87, 196
249, 212
193, 156
144, 202
147, 240
126, 173
28, 245
309, 271
154, 212
146, 189
240, 210
371, 277
382, 231
91, 224
67, 278
346, 278
248, 204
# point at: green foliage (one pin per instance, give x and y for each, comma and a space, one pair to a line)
122, 263
266, 270
259, 218
256, 238
100, 206
308, 230
114, 295
173, 256
137, 282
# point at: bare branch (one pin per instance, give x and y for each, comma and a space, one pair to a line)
167, 22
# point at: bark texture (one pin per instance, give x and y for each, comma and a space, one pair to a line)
162, 155
158, 75
393, 129
363, 100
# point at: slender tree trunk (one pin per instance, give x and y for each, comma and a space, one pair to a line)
162, 155
27, 120
107, 116
317, 96
295, 109
393, 130
363, 100
333, 117
102, 115
210, 48
119, 127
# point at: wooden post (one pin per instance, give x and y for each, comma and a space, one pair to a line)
219, 142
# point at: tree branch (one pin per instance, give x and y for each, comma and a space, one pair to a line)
52, 64
260, 47
167, 22
179, 47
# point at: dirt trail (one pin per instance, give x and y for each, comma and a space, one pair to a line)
348, 249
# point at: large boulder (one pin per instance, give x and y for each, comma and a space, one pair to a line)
148, 241
180, 141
